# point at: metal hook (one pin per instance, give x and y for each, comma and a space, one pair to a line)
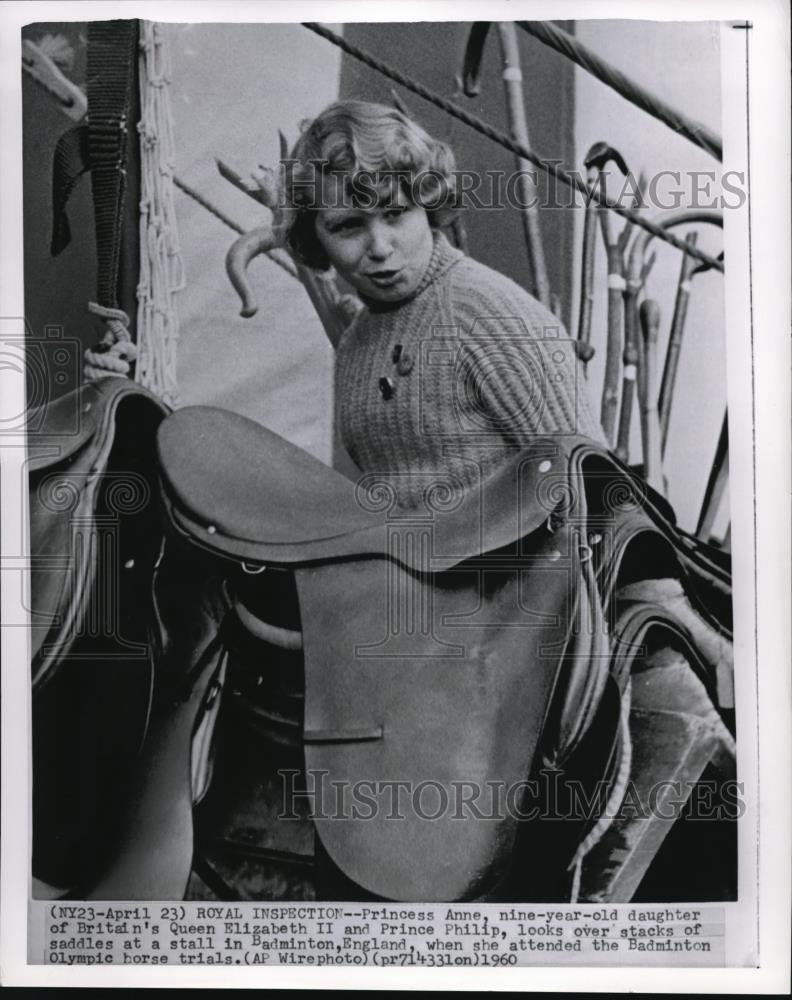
251, 569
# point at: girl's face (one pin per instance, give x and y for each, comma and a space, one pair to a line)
382, 252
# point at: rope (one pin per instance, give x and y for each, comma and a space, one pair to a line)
549, 167
115, 352
552, 36
279, 259
161, 264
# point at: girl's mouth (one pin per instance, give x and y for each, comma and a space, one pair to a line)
384, 279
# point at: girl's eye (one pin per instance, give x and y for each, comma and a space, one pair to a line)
345, 226
394, 213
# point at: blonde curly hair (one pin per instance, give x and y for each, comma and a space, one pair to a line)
366, 146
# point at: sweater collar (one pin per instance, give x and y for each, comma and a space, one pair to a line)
443, 257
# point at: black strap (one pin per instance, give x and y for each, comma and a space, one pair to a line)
70, 162
111, 89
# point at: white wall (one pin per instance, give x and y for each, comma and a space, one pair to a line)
680, 63
233, 87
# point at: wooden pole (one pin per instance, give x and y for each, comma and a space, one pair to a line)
686, 270
650, 427
526, 188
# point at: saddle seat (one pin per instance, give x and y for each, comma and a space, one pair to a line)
242, 491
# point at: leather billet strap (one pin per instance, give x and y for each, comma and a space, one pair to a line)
111, 88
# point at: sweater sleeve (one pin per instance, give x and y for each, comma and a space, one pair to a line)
519, 364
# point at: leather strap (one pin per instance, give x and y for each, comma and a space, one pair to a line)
112, 80
70, 162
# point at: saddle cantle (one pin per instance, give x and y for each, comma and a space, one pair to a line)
446, 650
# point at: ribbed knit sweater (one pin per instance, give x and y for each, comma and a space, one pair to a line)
444, 386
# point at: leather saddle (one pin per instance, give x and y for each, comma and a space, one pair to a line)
440, 655
448, 651
120, 628
90, 471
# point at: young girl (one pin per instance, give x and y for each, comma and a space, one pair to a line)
449, 366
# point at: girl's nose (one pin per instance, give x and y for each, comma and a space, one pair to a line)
379, 246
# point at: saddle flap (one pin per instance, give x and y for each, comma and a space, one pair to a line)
426, 696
